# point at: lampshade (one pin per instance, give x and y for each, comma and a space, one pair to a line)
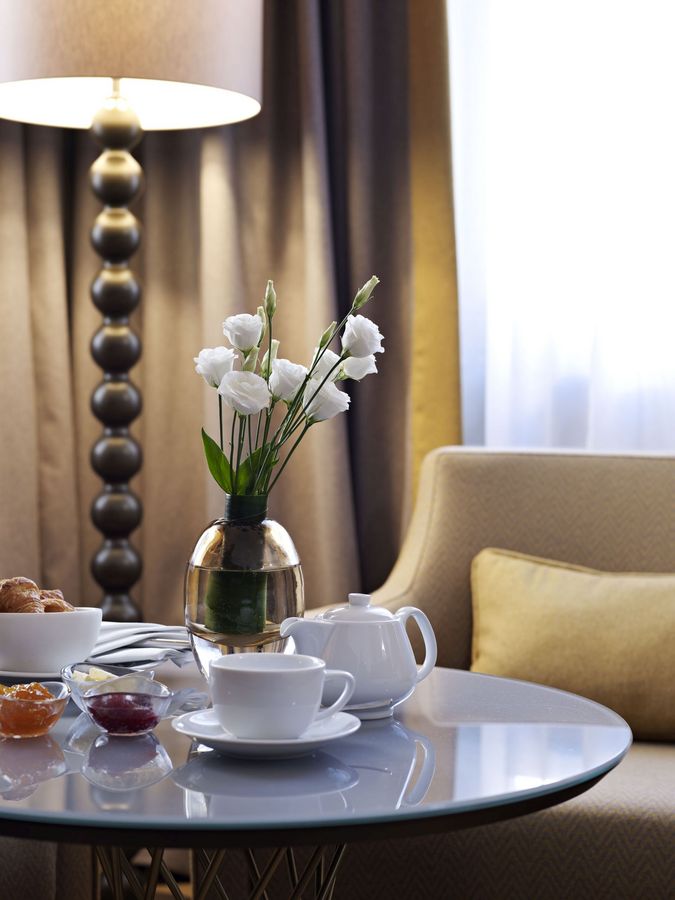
182, 63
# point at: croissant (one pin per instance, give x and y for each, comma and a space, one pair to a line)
20, 595
52, 601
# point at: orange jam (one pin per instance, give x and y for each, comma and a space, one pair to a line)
25, 710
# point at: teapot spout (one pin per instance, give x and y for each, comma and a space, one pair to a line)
310, 635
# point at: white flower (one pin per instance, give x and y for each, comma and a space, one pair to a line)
328, 402
361, 337
358, 367
243, 331
245, 392
286, 379
328, 362
213, 363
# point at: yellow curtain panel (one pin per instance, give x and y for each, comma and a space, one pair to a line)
435, 387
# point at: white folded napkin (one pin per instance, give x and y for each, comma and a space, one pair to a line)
132, 642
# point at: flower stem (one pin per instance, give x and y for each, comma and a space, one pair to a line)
290, 453
269, 352
234, 422
292, 425
220, 419
248, 424
293, 408
240, 443
265, 457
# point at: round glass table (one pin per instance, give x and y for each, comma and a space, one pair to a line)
464, 749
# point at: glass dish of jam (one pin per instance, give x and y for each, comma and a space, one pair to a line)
129, 705
31, 710
81, 677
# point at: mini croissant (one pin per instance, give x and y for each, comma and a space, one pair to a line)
52, 601
20, 595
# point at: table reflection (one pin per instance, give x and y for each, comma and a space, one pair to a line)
26, 763
383, 765
315, 784
126, 763
497, 758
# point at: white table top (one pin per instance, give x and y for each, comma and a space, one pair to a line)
462, 743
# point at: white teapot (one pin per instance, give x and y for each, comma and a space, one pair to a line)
372, 644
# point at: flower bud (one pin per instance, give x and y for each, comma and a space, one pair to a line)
250, 360
327, 336
270, 299
263, 318
266, 364
363, 294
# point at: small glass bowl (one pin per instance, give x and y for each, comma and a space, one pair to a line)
29, 718
131, 704
78, 687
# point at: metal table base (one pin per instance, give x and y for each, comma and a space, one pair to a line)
315, 879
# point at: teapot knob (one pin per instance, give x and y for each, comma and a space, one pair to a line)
359, 599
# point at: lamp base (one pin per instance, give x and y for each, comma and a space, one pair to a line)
116, 178
119, 608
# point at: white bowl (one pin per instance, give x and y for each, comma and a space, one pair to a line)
46, 642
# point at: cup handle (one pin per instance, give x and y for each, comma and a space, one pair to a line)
345, 696
408, 612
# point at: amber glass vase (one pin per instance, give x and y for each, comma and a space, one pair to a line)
243, 579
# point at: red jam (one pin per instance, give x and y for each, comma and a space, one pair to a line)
120, 713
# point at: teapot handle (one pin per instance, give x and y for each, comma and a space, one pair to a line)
411, 612
421, 785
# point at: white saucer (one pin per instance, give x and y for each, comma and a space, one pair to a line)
376, 710
205, 728
31, 676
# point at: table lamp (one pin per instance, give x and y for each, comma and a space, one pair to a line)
121, 68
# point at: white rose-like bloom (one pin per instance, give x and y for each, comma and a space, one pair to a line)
286, 379
245, 392
243, 331
213, 363
328, 361
328, 402
361, 337
357, 367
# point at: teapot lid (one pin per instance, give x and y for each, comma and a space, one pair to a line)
358, 610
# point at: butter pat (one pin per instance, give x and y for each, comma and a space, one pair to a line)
92, 676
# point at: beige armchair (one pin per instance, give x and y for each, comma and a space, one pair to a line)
615, 513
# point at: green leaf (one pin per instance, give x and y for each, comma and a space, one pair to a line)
218, 463
249, 468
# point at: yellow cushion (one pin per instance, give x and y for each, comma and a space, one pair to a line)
606, 635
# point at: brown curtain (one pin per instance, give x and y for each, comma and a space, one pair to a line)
316, 193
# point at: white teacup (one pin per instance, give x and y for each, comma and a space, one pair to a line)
272, 696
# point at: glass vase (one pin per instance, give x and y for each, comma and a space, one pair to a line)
243, 579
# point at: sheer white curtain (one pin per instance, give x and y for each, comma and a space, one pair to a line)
563, 117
